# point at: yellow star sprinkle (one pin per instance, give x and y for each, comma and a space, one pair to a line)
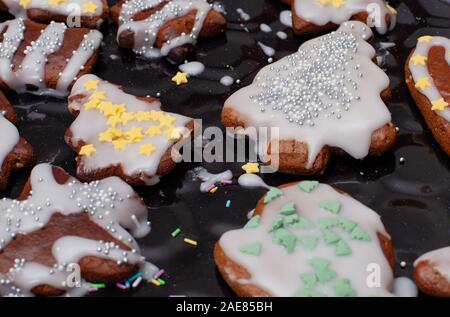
120, 108
142, 116
89, 7
419, 59
87, 150
324, 2
338, 3
146, 149
173, 133
116, 133
423, 83
114, 120
98, 95
167, 120
90, 84
105, 136
91, 104
154, 130
251, 168
134, 135
120, 144
55, 3
180, 78
439, 104
126, 117
24, 3
425, 39
107, 108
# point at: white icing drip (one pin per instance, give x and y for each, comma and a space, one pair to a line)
318, 14
421, 71
265, 28
282, 35
227, 80
65, 8
192, 68
404, 287
106, 156
90, 43
440, 259
31, 71
286, 18
269, 51
242, 14
209, 179
252, 180
353, 131
9, 137
146, 31
278, 272
111, 203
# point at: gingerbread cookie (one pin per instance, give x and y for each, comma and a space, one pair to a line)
317, 16
45, 59
75, 13
326, 98
15, 151
58, 222
432, 272
427, 76
154, 28
131, 138
310, 240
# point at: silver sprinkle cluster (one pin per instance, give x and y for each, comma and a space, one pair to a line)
313, 81
9, 45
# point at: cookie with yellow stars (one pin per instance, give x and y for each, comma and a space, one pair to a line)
306, 239
427, 76
119, 134
92, 12
318, 16
58, 222
56, 57
15, 151
165, 28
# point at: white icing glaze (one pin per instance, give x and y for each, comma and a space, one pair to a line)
227, 80
278, 272
440, 259
269, 51
145, 31
350, 127
286, 18
404, 287
321, 14
106, 156
32, 69
63, 8
9, 138
251, 181
192, 68
421, 71
242, 14
265, 28
282, 35
209, 179
111, 203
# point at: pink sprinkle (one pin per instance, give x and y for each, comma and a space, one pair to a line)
158, 275
121, 286
207, 189
92, 290
226, 181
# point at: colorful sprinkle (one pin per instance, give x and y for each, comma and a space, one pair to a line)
226, 181
176, 232
191, 242
98, 285
137, 282
159, 274
155, 282
228, 203
212, 191
121, 286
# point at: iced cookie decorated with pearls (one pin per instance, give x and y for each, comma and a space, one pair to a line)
326, 98
45, 59
432, 272
59, 225
154, 28
308, 239
317, 16
76, 13
131, 136
15, 151
428, 77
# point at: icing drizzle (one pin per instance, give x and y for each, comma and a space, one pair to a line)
9, 138
32, 70
110, 203
145, 31
321, 12
421, 76
129, 132
310, 240
328, 93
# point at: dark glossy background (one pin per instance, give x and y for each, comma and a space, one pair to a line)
413, 198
